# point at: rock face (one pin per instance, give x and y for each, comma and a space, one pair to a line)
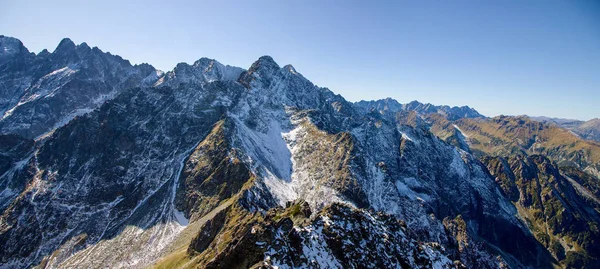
15, 151
193, 168
547, 172
556, 208
44, 91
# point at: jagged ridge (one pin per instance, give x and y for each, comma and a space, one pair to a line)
150, 164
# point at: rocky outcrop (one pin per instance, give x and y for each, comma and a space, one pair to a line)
336, 237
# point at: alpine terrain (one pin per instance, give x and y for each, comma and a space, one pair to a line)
104, 164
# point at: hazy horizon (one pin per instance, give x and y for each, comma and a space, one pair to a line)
538, 58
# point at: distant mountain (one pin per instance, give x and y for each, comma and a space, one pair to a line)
104, 164
585, 129
391, 105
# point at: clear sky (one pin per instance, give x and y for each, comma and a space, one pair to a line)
501, 57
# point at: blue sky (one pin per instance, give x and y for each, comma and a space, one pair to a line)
500, 57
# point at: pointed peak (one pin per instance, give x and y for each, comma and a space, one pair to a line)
264, 66
65, 44
44, 52
414, 103
290, 69
205, 63
391, 100
266, 58
264, 63
66, 40
203, 60
84, 46
181, 66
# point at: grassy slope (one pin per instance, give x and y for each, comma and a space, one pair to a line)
505, 135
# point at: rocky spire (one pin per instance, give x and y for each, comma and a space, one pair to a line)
265, 66
65, 45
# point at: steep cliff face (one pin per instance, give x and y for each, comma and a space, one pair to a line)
108, 173
15, 152
549, 173
191, 168
557, 210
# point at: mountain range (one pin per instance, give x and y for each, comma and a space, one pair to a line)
585, 129
108, 164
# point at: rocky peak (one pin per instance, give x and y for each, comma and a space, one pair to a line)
264, 64
214, 70
84, 46
382, 105
465, 112
413, 104
67, 53
204, 70
65, 45
44, 53
261, 70
290, 69
10, 45
273, 86
10, 48
145, 68
205, 63
420, 107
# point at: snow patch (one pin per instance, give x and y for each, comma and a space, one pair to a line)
405, 136
316, 250
458, 129
270, 157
